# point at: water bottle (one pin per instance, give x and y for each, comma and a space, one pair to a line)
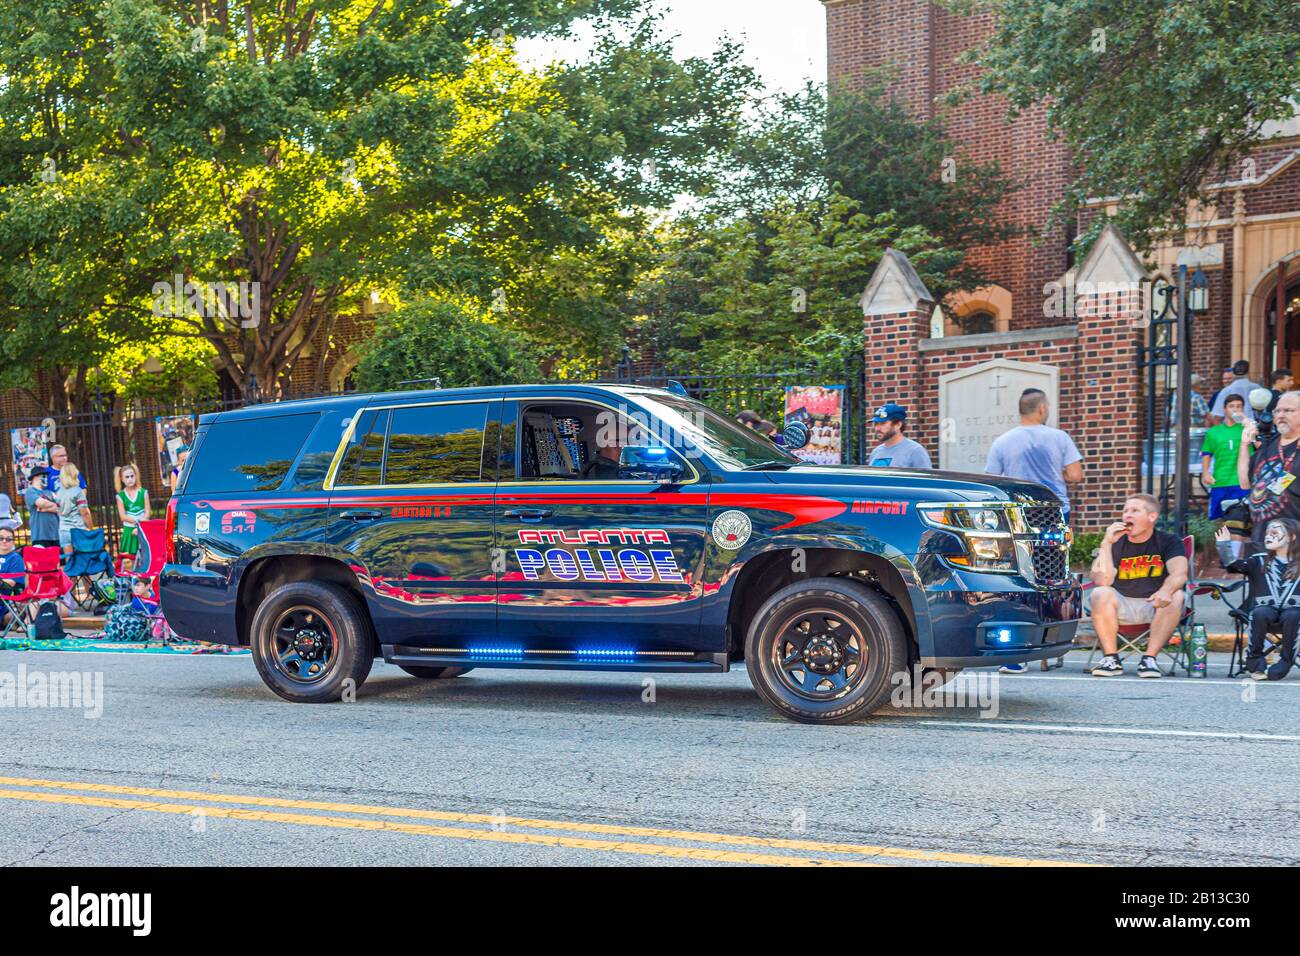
1198, 652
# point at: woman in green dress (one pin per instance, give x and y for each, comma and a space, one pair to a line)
132, 506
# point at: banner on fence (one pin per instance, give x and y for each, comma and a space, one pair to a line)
821, 408
26, 449
175, 436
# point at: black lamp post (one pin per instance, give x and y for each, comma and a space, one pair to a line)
1193, 299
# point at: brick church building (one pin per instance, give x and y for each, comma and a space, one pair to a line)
1248, 244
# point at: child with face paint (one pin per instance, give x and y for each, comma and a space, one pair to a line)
1274, 576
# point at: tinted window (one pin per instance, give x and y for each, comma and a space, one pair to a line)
249, 454
364, 458
430, 444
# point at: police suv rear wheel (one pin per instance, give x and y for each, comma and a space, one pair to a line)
823, 651
434, 673
311, 642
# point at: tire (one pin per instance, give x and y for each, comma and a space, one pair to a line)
866, 626
434, 673
309, 639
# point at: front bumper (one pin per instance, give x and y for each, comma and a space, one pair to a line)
987, 620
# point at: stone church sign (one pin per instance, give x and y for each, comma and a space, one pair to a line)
979, 403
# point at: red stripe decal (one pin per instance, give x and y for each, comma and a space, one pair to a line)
803, 509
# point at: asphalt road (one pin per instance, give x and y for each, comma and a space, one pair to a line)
194, 762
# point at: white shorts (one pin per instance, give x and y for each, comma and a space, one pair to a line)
1135, 610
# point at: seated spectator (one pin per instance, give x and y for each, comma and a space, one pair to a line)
12, 579
1139, 575
1273, 575
42, 508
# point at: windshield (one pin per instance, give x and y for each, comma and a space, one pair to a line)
692, 424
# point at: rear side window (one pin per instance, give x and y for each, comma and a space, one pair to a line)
247, 454
433, 444
363, 460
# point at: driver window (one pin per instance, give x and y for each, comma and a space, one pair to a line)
573, 442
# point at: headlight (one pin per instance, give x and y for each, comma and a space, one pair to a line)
987, 531
987, 553
962, 517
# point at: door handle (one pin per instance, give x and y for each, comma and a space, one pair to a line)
360, 515
528, 514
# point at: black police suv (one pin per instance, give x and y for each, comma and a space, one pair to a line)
599, 528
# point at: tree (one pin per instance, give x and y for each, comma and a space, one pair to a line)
1155, 99
788, 301
869, 148
445, 341
251, 170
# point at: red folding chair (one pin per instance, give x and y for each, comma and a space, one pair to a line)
44, 580
1131, 638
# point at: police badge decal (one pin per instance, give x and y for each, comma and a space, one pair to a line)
731, 530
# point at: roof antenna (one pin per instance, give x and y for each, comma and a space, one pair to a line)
677, 388
435, 382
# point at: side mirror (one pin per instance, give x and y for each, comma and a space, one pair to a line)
796, 435
654, 463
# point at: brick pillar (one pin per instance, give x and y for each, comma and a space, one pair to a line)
896, 308
1108, 401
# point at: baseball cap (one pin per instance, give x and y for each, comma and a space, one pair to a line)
890, 412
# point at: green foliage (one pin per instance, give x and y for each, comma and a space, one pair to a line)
336, 147
168, 369
442, 340
865, 145
1155, 99
1083, 549
788, 300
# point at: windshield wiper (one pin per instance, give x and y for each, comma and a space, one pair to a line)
764, 465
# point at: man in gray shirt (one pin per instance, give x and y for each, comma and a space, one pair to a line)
1240, 385
1035, 451
895, 451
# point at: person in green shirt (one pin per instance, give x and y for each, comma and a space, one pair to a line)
1219, 457
132, 507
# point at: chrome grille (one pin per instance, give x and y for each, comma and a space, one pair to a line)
1042, 516
1051, 563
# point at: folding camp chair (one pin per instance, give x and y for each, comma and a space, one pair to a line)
43, 580
90, 569
1239, 613
1131, 638
147, 566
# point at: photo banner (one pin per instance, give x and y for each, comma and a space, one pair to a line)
26, 449
821, 408
174, 437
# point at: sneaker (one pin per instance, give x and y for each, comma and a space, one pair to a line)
1149, 667
1258, 675
1014, 669
1110, 666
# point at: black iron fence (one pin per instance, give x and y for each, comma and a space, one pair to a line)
152, 436
155, 436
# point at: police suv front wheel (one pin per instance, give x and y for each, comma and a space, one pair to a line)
311, 642
823, 651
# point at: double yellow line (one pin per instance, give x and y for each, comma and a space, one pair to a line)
75, 793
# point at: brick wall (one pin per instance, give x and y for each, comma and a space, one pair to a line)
919, 43
1101, 401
